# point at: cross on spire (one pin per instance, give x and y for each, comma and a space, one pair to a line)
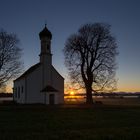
45, 23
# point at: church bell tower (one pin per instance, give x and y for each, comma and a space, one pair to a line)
46, 56
45, 39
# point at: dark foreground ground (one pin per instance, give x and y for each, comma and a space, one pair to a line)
69, 122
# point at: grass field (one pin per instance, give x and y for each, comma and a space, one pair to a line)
38, 122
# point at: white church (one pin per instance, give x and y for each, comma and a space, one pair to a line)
41, 83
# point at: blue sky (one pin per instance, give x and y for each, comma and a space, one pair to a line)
26, 18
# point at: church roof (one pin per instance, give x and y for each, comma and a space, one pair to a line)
57, 72
45, 32
30, 70
49, 88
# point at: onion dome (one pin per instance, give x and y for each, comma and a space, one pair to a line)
45, 33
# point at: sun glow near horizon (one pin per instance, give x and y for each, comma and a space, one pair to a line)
72, 92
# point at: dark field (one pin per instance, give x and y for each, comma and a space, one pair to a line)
69, 122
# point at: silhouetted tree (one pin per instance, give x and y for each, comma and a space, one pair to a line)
10, 57
90, 58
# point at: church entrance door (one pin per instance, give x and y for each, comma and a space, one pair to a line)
51, 99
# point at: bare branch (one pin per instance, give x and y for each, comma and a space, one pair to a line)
10, 57
90, 57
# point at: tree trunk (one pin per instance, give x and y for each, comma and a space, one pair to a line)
89, 99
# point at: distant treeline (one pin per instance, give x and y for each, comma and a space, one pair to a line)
117, 94
109, 94
6, 95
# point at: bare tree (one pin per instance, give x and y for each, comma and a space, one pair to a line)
10, 57
90, 58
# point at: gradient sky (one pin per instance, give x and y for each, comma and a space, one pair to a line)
26, 18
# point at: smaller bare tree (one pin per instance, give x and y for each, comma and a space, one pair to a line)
10, 57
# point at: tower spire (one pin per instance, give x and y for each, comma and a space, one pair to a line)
45, 33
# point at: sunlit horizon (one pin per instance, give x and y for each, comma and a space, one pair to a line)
9, 89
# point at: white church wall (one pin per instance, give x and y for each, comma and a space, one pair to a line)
58, 83
47, 70
34, 85
47, 98
19, 91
